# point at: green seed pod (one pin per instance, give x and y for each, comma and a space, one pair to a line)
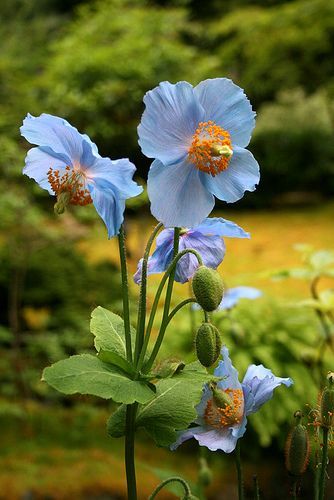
297, 448
208, 288
327, 403
208, 344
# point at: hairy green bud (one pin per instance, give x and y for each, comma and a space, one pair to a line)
208, 288
208, 344
327, 403
297, 448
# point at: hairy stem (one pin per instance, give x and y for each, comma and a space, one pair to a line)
324, 459
239, 472
131, 411
185, 485
125, 293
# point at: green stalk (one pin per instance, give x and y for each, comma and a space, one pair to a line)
130, 451
170, 268
142, 296
179, 306
125, 293
256, 488
324, 459
185, 485
239, 471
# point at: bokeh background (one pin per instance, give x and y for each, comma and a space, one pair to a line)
91, 62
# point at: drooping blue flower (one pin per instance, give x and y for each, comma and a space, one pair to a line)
197, 137
233, 295
67, 162
220, 426
205, 238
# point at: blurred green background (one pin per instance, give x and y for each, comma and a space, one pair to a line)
91, 62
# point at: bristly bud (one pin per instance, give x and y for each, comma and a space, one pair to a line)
221, 398
208, 344
62, 202
208, 288
297, 448
327, 403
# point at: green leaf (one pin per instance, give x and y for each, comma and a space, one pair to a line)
116, 424
86, 374
173, 408
168, 368
115, 359
108, 329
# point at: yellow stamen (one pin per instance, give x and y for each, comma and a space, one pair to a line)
72, 182
227, 415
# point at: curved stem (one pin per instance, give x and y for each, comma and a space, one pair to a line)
142, 296
178, 307
170, 268
256, 488
170, 480
239, 471
125, 293
130, 451
324, 459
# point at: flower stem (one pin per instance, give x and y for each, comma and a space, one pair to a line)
294, 489
170, 480
142, 297
256, 488
179, 306
130, 451
239, 471
125, 293
324, 459
167, 274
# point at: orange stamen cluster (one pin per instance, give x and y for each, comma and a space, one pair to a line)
219, 417
207, 140
71, 181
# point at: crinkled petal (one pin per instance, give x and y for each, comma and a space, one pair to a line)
221, 227
38, 163
226, 370
242, 174
178, 197
233, 295
169, 121
108, 203
214, 439
119, 173
161, 257
184, 436
227, 105
201, 407
55, 133
211, 248
261, 383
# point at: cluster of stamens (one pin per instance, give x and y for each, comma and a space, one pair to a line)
227, 415
72, 182
211, 148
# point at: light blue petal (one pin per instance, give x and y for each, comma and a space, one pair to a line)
261, 382
201, 407
109, 205
242, 174
161, 257
211, 248
221, 227
233, 295
119, 173
226, 370
178, 197
55, 133
169, 121
184, 436
227, 105
239, 430
214, 440
38, 163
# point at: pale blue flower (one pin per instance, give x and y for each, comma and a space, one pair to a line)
197, 136
205, 238
66, 161
233, 295
220, 428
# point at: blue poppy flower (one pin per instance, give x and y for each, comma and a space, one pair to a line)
197, 136
205, 238
219, 426
233, 295
68, 165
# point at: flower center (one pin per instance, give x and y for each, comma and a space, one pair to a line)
211, 148
72, 182
227, 413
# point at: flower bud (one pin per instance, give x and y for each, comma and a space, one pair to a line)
208, 288
208, 344
297, 448
205, 475
327, 403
